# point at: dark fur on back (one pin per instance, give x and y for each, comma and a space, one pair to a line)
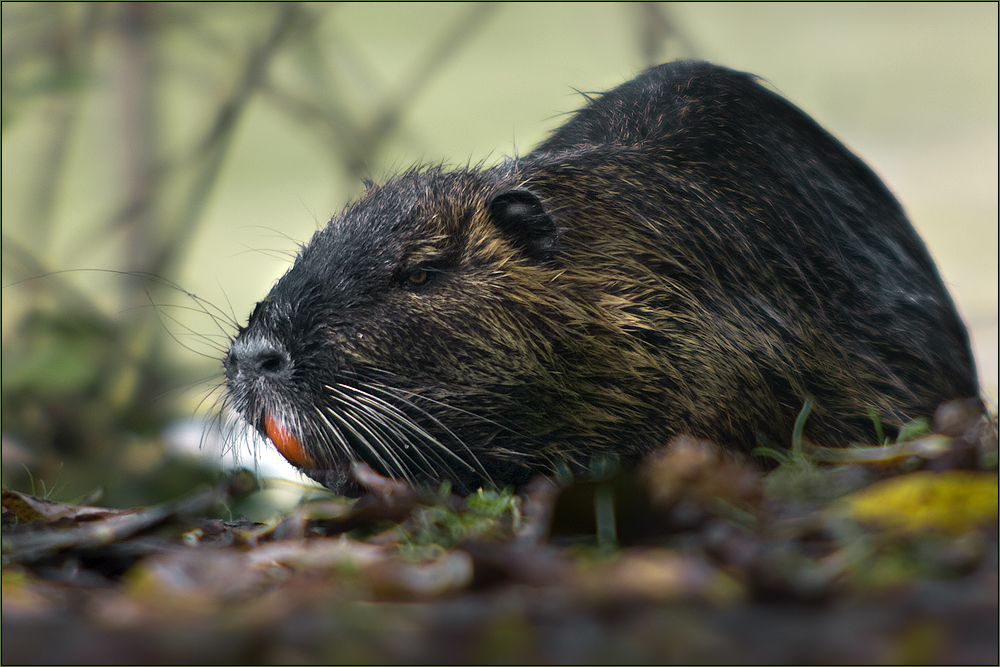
688, 254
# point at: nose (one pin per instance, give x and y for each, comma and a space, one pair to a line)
254, 357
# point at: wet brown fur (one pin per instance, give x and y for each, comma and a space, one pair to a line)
694, 256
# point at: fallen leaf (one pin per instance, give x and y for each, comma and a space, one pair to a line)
954, 502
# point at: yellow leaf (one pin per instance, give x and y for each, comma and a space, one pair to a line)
954, 501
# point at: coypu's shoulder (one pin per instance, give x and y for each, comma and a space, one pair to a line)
665, 100
724, 175
704, 119
700, 111
655, 104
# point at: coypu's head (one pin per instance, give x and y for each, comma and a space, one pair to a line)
424, 332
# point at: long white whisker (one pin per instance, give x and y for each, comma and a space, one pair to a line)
398, 392
385, 408
391, 392
388, 417
332, 437
382, 422
339, 416
362, 422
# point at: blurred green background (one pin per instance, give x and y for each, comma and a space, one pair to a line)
202, 143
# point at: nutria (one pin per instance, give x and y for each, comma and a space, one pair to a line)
689, 253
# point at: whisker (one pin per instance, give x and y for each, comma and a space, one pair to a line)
339, 417
399, 455
385, 417
397, 392
330, 438
413, 427
394, 393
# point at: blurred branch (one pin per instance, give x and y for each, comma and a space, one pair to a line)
72, 51
334, 121
393, 108
130, 377
348, 138
23, 266
216, 143
135, 83
209, 154
655, 29
324, 112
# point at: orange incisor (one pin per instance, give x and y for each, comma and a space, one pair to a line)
289, 446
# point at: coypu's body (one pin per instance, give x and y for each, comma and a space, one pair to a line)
689, 254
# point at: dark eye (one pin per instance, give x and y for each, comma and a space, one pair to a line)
419, 277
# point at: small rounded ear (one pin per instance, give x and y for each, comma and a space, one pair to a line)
520, 217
